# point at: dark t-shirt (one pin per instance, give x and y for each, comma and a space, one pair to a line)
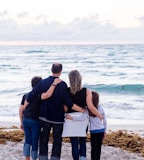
52, 109
33, 109
79, 98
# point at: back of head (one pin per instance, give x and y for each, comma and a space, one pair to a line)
75, 80
56, 68
35, 80
95, 100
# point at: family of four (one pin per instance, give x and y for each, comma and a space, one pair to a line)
51, 107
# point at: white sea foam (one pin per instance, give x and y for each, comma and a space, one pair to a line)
115, 71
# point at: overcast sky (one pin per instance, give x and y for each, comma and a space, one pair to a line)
92, 21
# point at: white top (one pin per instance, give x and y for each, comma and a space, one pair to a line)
77, 126
97, 125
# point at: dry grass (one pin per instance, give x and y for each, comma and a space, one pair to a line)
126, 141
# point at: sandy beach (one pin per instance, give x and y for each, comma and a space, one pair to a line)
13, 150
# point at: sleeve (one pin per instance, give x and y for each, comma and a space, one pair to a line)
23, 99
81, 116
104, 119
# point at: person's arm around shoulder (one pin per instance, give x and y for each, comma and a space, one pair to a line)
90, 105
81, 117
77, 108
50, 91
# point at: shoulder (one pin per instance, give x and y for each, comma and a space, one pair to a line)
100, 108
62, 84
88, 92
25, 95
84, 89
50, 78
68, 89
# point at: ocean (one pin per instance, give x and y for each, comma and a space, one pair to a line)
115, 71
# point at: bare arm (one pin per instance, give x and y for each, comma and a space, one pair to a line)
77, 108
90, 105
77, 117
21, 115
50, 91
46, 94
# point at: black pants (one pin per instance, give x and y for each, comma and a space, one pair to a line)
57, 139
96, 143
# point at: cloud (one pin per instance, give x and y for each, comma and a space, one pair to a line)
141, 19
23, 15
4, 13
83, 30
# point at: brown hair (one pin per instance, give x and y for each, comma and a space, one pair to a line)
56, 68
95, 100
35, 80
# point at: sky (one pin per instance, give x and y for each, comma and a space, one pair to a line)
71, 21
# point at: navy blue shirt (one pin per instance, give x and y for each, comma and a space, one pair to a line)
33, 109
52, 109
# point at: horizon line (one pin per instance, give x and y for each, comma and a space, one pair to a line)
62, 43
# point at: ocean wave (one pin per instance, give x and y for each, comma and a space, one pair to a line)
119, 88
36, 51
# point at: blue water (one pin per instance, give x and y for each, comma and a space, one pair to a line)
115, 71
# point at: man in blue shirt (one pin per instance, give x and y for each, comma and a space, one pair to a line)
52, 112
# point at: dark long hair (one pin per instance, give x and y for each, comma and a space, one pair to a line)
95, 99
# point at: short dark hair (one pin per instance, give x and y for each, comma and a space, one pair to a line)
56, 68
35, 80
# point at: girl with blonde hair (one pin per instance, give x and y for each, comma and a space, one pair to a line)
83, 98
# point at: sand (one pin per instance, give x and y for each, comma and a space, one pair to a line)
14, 150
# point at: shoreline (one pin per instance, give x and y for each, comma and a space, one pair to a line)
15, 149
112, 124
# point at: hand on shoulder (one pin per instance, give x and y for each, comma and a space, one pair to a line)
57, 81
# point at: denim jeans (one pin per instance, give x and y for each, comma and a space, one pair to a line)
31, 132
78, 147
44, 139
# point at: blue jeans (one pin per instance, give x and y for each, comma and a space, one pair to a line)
78, 147
44, 139
32, 132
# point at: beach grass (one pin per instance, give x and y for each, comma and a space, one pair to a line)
130, 142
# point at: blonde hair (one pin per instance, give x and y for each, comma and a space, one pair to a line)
75, 81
